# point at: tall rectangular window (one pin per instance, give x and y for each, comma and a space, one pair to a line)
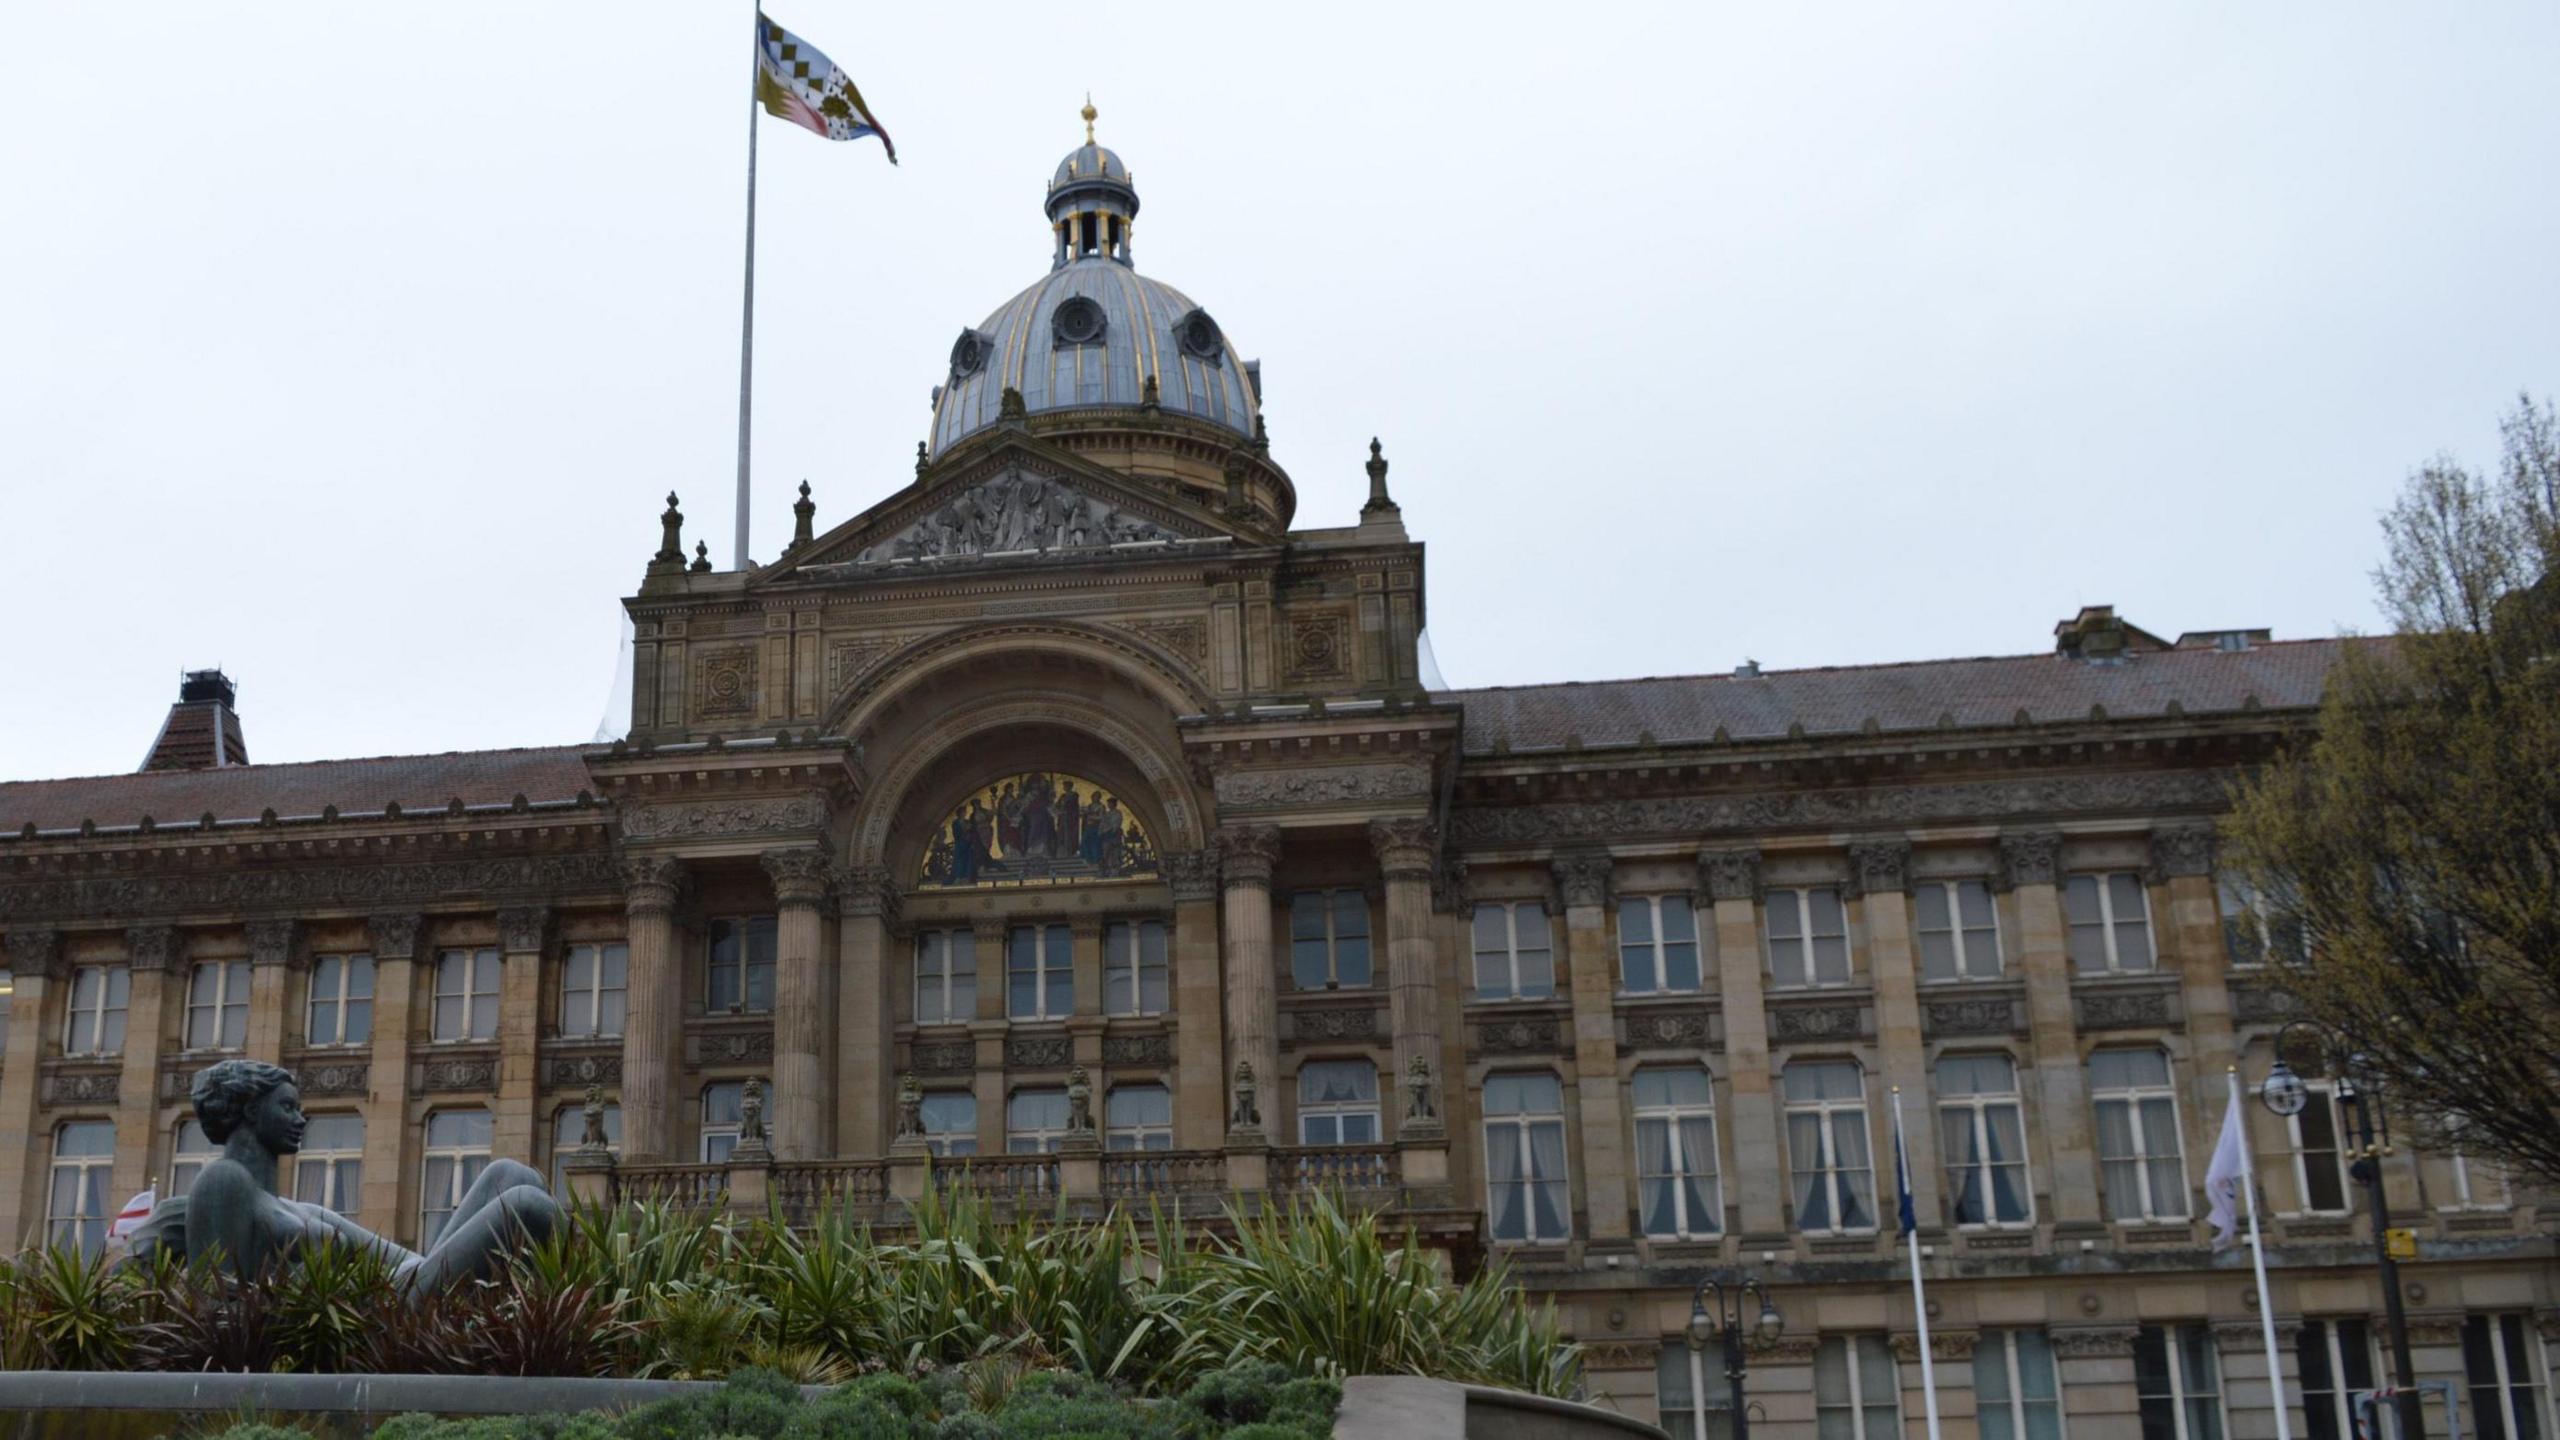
2256, 930
1337, 1103
2110, 919
1138, 1117
218, 1005
1985, 1139
1827, 1146
1329, 939
1133, 968
1959, 930
1035, 1122
466, 995
457, 1150
1857, 1389
2016, 1395
2319, 1164
2474, 1183
93, 1023
1515, 952
1657, 945
1526, 1199
950, 1119
1040, 974
2501, 1356
742, 950
2177, 1381
595, 997
1692, 1394
329, 1169
946, 977
1676, 1189
341, 1008
2336, 1361
1808, 939
84, 1151
2140, 1160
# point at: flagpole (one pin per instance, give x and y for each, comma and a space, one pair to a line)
2258, 1259
1919, 1293
747, 326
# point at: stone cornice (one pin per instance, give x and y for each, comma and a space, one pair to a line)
307, 890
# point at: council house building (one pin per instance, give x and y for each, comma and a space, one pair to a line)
1082, 824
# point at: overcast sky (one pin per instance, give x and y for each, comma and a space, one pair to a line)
353, 347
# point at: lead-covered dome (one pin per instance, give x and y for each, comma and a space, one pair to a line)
1094, 334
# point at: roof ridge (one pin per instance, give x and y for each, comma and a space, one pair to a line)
274, 765
1867, 666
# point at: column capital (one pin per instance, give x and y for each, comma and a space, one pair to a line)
650, 884
2183, 849
35, 953
394, 936
1449, 892
154, 947
1405, 845
1193, 873
1247, 854
799, 874
2029, 857
521, 928
1880, 867
1085, 927
1730, 874
865, 892
1582, 878
271, 942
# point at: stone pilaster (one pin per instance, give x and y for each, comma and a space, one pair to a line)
1405, 848
1731, 879
988, 933
801, 1085
152, 953
2191, 948
2031, 870
1199, 1037
652, 1032
1880, 878
1247, 856
866, 908
388, 1184
1582, 882
35, 963
275, 952
522, 930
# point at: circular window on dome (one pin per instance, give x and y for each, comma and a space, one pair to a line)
1078, 321
968, 354
1199, 338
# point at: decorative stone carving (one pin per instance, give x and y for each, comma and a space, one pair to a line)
1038, 1052
1944, 1345
591, 1133
124, 899
1790, 1350
2183, 849
1319, 647
1626, 1354
394, 936
850, 660
2032, 857
1521, 1035
1246, 1113
1334, 1023
1687, 815
1193, 874
82, 1087
1667, 1029
799, 875
154, 947
1405, 846
1422, 1102
945, 1057
271, 941
1794, 1023
1993, 1015
866, 891
1880, 867
724, 682
1449, 894
1137, 1051
2123, 1009
1079, 1102
751, 1113
570, 1072
1186, 638
910, 1124
705, 819
1012, 513
521, 928
1730, 874
2435, 1330
2081, 1342
1248, 853
1326, 785
2261, 1005
335, 1077
737, 1047
458, 1073
1582, 879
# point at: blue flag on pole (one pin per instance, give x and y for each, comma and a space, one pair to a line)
1902, 1176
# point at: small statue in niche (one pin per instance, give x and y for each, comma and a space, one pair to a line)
751, 1113
591, 1135
1247, 1114
910, 1108
1421, 1095
1079, 1102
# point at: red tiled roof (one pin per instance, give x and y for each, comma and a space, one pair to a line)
241, 792
1986, 691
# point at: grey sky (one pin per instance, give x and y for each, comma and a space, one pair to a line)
353, 347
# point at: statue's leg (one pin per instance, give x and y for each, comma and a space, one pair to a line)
475, 1245
495, 1179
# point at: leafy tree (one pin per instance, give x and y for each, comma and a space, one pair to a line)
2415, 839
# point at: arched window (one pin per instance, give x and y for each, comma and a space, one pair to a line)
1676, 1152
1979, 1123
1525, 1179
1828, 1156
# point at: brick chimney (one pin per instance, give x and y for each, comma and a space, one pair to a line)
203, 728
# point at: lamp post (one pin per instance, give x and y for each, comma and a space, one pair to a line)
2287, 1095
1720, 1309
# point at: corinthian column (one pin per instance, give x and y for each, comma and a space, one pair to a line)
651, 1031
800, 1009
1199, 1036
867, 906
1247, 855
1406, 850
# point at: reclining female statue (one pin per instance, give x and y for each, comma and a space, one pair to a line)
254, 1111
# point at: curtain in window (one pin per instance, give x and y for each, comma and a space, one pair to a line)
1659, 1200
1805, 1171
1879, 1389
1504, 1184
1546, 1153
2008, 1157
1698, 1171
2119, 1166
1964, 1173
2168, 1171
1857, 1177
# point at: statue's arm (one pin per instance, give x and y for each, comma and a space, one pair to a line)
321, 1217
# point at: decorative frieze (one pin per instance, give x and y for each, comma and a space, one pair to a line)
1689, 1028
1973, 1015
309, 888
454, 1074
1193, 874
724, 683
1333, 1022
1897, 805
394, 935
1625, 1354
1944, 1345
1137, 1050
944, 1057
35, 952
1520, 1035
82, 1087
521, 928
577, 1070
2087, 1342
1038, 1052
1796, 1024
2262, 1005
1323, 786
271, 942
1185, 637
735, 1047
716, 819
334, 1077
2126, 1009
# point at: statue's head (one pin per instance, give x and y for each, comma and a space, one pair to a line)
232, 1094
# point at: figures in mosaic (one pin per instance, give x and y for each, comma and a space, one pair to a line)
1038, 828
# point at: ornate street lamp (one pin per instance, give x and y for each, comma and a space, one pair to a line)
1720, 1309
2370, 1139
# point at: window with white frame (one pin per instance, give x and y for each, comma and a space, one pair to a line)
2319, 1160
189, 1156
1982, 1129
2140, 1160
466, 996
1857, 1389
741, 964
1134, 976
1526, 1199
93, 1021
2335, 1358
1138, 1117
1040, 973
341, 1007
2256, 930
2110, 918
457, 1150
1035, 1122
1808, 938
950, 1120
1337, 1103
329, 1169
1676, 1183
84, 1152
568, 1129
595, 991
2177, 1381
1515, 952
1329, 939
1959, 930
2475, 1184
218, 1005
946, 977
724, 1118
2501, 1357
1657, 945
1683, 1378
1828, 1156
2016, 1393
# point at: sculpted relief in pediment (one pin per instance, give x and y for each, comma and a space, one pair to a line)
1013, 513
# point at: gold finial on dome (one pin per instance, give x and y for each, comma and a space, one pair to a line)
1089, 113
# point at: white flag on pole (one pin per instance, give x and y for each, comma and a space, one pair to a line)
2229, 1171
135, 1211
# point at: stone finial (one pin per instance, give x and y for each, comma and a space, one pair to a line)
591, 1134
1247, 1114
910, 1124
701, 558
671, 534
1261, 434
1377, 479
1009, 406
1079, 1102
803, 514
1421, 1092
923, 459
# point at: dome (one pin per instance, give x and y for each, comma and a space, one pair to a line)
1094, 333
